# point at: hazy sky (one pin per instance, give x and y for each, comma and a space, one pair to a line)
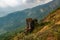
8, 6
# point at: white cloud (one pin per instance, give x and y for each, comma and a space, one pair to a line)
2, 4
5, 3
36, 1
24, 1
12, 3
43, 1
8, 6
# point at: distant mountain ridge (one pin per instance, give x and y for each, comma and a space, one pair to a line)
17, 19
47, 29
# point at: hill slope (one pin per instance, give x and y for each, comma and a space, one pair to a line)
16, 19
50, 31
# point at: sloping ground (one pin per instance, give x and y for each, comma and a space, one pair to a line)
49, 29
53, 28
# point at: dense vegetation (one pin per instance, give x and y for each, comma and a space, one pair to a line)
47, 29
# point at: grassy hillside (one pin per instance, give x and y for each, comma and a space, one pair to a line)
47, 29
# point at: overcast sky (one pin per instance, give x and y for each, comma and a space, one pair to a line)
8, 6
